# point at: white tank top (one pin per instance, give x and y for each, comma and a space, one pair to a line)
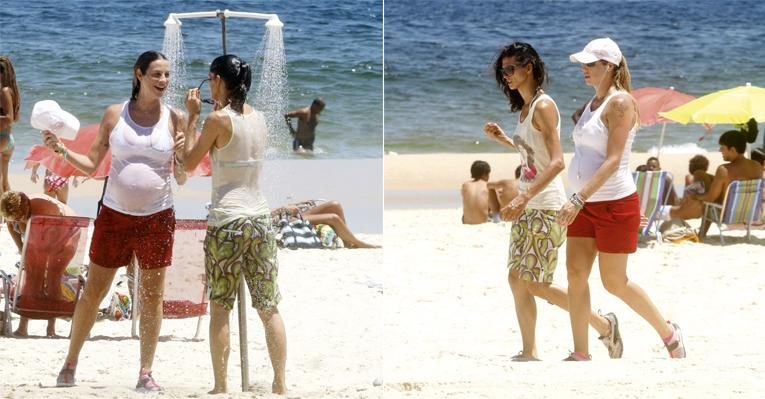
535, 158
590, 140
139, 177
236, 170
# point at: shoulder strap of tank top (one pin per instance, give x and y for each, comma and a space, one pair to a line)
533, 107
536, 100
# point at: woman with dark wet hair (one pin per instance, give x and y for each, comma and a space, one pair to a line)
240, 241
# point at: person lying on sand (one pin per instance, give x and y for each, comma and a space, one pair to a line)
323, 212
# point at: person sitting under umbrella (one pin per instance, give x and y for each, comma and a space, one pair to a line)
732, 146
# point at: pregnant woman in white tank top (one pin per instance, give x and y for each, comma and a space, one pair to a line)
137, 217
535, 236
603, 213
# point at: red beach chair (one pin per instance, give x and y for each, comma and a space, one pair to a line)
44, 289
185, 284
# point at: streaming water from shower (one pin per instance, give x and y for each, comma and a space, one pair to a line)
270, 67
268, 94
172, 48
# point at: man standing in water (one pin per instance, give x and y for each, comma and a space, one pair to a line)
308, 118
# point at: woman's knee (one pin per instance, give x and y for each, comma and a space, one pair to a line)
267, 315
94, 294
539, 289
334, 205
577, 274
614, 285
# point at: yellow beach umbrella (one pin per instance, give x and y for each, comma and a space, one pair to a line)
736, 106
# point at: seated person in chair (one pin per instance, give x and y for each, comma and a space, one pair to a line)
696, 183
732, 146
758, 155
17, 208
652, 165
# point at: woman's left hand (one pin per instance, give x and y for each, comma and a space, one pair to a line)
514, 209
193, 102
51, 141
567, 214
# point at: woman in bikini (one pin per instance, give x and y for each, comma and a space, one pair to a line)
10, 102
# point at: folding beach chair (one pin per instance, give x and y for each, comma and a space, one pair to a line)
185, 292
741, 204
653, 189
44, 288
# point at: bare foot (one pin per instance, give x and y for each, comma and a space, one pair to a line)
20, 334
279, 389
218, 390
361, 244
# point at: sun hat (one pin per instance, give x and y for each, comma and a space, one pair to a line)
48, 115
599, 49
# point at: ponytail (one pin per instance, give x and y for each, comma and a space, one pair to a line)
622, 79
238, 93
237, 76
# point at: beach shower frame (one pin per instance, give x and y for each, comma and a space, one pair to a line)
273, 103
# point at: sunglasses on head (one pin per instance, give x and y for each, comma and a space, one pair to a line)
510, 69
204, 100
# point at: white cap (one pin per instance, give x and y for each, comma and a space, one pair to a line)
48, 115
599, 49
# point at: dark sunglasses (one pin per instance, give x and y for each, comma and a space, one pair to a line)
204, 100
510, 69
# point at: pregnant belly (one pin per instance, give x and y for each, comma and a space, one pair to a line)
138, 185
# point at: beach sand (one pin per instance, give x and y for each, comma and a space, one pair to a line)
331, 309
332, 301
450, 324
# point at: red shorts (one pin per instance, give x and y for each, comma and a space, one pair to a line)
613, 224
116, 236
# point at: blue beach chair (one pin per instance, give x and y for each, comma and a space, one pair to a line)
653, 190
741, 204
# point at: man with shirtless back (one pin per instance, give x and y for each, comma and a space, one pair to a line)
732, 146
308, 118
482, 199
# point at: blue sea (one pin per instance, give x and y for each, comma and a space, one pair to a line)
81, 53
440, 90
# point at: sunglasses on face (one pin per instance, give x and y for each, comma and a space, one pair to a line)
204, 100
510, 69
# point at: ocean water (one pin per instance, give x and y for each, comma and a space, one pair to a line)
440, 90
81, 54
